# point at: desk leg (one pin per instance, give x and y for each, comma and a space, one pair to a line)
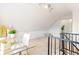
27, 51
20, 53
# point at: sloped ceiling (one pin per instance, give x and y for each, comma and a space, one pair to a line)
32, 17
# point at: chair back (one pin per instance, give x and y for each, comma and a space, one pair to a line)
26, 39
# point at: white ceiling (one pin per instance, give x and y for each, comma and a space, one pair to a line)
32, 17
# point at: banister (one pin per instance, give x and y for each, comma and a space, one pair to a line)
72, 33
62, 39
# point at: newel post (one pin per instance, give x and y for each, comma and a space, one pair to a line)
62, 37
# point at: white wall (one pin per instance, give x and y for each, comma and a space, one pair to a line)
75, 24
33, 35
37, 34
32, 18
56, 28
26, 18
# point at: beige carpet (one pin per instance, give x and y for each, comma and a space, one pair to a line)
40, 46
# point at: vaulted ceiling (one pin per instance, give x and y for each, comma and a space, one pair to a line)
33, 17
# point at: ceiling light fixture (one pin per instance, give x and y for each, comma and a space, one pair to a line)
47, 6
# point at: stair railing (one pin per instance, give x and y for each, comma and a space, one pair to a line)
61, 45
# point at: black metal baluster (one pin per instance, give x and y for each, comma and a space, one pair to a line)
75, 43
63, 47
77, 36
66, 48
55, 46
69, 44
66, 44
62, 36
49, 45
59, 46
